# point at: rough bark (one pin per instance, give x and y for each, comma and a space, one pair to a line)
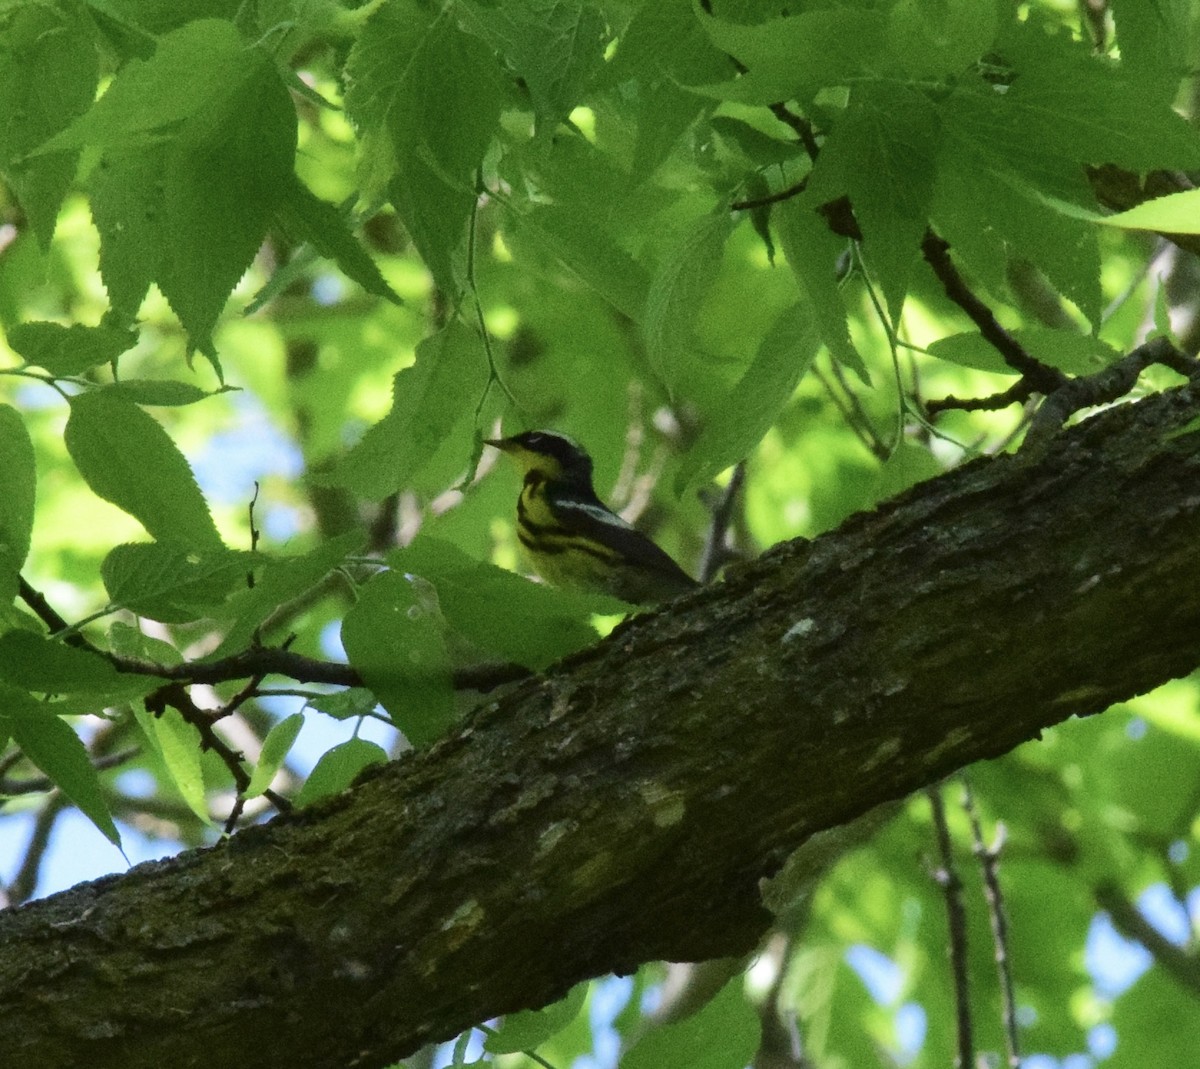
625, 806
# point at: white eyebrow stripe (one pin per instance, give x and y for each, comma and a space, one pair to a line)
596, 512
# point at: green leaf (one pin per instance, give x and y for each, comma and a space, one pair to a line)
428, 400
275, 749
1177, 213
935, 38
178, 744
783, 357
69, 350
500, 612
280, 581
47, 741
687, 272
528, 1029
18, 483
587, 251
161, 393
1076, 354
723, 1035
394, 639
338, 768
38, 663
812, 251
793, 57
664, 41
198, 146
128, 641
426, 122
49, 69
554, 46
346, 704
884, 152
127, 458
307, 218
1066, 101
170, 583
1154, 39
995, 185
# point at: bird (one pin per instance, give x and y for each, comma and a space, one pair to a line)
572, 538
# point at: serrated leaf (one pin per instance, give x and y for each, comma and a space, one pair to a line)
346, 704
1088, 109
276, 746
503, 613
280, 581
428, 399
42, 664
18, 482
69, 350
723, 1035
50, 743
528, 1029
199, 142
677, 290
884, 150
1075, 354
731, 432
126, 640
49, 69
425, 122
161, 393
394, 640
935, 38
307, 218
169, 583
1176, 213
795, 56
587, 251
339, 767
127, 458
995, 185
553, 46
178, 744
812, 251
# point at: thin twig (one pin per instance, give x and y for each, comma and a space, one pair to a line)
722, 517
1018, 393
946, 877
48, 614
40, 784
1104, 386
1041, 377
25, 882
770, 198
988, 862
1130, 922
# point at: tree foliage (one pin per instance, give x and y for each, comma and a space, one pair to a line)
272, 271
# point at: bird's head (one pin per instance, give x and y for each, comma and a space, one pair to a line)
553, 456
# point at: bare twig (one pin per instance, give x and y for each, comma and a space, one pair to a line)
714, 545
1104, 386
946, 877
795, 189
1039, 376
38, 784
1182, 966
988, 857
1018, 393
25, 882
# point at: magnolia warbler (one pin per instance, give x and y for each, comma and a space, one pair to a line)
572, 538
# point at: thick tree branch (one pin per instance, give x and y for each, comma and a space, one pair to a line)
626, 805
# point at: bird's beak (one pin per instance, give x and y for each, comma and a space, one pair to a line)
503, 444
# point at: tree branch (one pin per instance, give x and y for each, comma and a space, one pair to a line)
626, 805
